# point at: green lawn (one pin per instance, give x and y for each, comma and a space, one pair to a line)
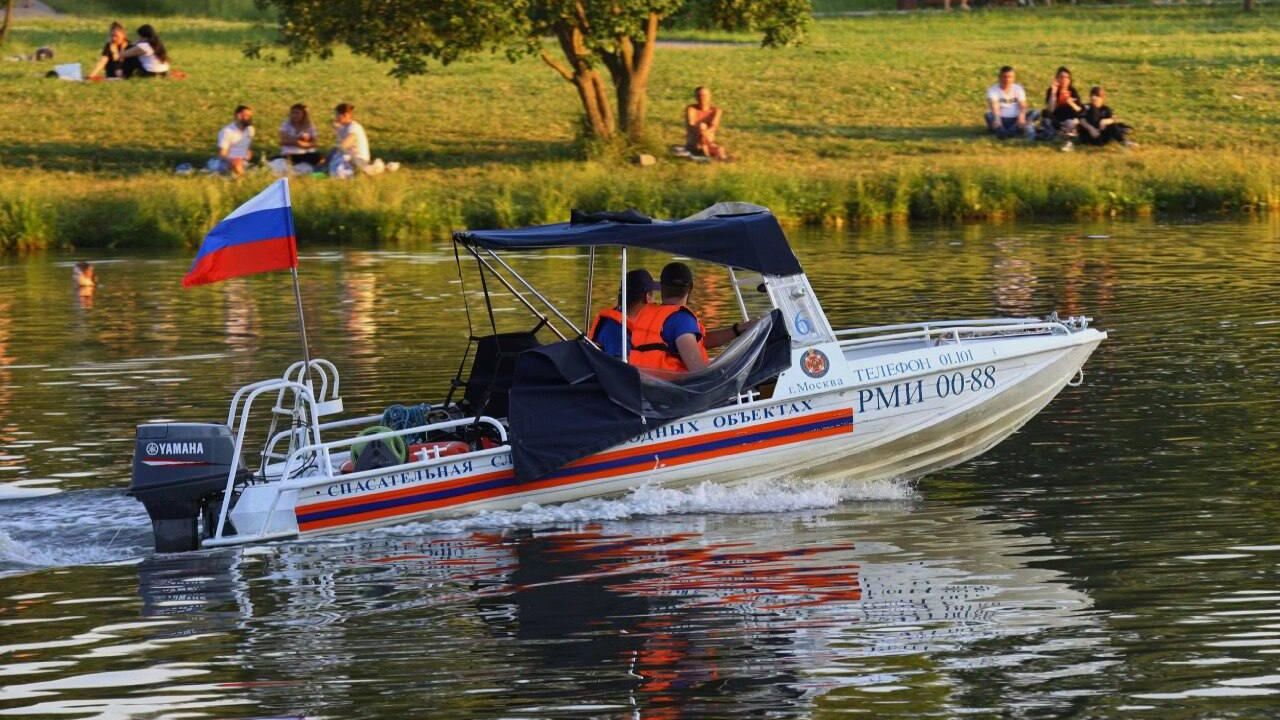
875, 117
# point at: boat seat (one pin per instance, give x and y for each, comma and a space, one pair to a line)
492, 371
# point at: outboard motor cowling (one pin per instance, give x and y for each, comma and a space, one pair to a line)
178, 469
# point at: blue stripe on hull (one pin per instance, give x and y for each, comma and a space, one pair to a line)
429, 495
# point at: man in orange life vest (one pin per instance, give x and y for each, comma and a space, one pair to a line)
669, 336
606, 331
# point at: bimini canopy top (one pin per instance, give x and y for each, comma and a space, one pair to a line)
738, 235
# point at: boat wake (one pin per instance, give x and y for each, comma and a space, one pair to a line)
19, 556
87, 527
94, 527
756, 496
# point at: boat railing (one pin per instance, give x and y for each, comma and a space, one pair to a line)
270, 451
290, 383
327, 402
955, 330
323, 448
243, 402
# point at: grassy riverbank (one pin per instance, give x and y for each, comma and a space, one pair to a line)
43, 209
873, 120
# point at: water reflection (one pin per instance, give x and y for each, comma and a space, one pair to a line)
680, 617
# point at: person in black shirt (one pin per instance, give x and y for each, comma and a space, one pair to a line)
112, 59
1099, 125
1062, 106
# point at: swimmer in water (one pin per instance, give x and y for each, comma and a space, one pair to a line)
82, 275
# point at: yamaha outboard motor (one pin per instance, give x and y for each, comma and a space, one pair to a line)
179, 471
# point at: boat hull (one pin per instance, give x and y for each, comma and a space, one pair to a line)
880, 415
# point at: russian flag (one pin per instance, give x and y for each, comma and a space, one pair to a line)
257, 237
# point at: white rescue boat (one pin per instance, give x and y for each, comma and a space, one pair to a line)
557, 422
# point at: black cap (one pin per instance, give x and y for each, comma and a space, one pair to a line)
639, 284
677, 275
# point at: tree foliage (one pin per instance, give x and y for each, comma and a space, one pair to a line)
584, 41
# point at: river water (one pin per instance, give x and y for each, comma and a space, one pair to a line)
1118, 557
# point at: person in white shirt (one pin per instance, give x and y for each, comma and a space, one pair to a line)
351, 151
147, 57
1007, 110
234, 141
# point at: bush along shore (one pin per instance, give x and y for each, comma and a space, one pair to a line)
41, 210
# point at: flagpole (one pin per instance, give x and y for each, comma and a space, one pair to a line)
302, 327
297, 293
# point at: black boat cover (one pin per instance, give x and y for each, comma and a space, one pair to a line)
733, 234
570, 400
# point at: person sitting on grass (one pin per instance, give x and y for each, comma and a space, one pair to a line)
351, 150
701, 123
234, 141
148, 57
1099, 124
1062, 107
111, 61
1007, 114
298, 138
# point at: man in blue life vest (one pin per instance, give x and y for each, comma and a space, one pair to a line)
670, 336
606, 331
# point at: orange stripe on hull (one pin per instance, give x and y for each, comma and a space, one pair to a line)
641, 456
635, 452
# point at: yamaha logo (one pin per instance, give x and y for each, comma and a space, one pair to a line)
814, 363
177, 448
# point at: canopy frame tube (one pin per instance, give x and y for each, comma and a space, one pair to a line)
737, 291
520, 296
550, 305
591, 276
622, 297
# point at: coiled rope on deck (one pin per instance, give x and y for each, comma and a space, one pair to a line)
403, 417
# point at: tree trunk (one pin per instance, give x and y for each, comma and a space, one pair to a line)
596, 113
1248, 5
637, 105
631, 89
8, 19
629, 69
